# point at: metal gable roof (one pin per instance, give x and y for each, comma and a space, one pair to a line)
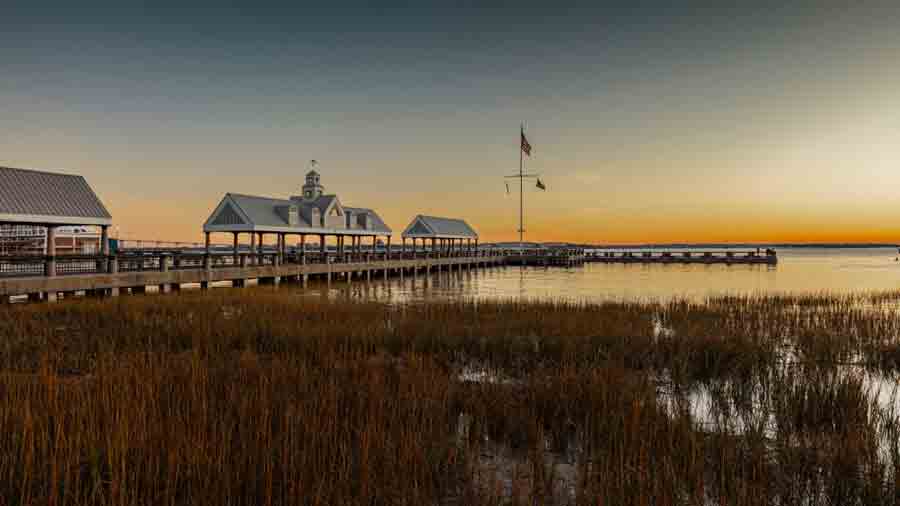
46, 197
262, 212
378, 224
441, 227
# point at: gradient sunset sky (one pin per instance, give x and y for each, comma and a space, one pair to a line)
649, 124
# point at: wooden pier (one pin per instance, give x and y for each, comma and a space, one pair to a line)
134, 271
768, 257
551, 257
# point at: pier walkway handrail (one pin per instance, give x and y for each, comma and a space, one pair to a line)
666, 253
163, 259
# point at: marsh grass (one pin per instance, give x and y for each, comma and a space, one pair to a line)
262, 397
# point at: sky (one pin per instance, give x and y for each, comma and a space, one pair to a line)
650, 123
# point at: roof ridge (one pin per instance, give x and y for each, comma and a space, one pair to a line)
254, 196
441, 217
39, 171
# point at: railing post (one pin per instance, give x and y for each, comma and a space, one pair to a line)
163, 263
114, 265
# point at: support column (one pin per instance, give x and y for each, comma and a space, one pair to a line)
259, 247
207, 261
164, 267
104, 249
252, 248
303, 254
236, 247
387, 250
50, 269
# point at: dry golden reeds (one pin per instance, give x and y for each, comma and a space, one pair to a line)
262, 397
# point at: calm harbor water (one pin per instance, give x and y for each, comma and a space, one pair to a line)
800, 270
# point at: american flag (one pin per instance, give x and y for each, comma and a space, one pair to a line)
526, 147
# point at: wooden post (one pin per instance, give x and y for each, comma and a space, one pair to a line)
50, 269
207, 261
235, 241
104, 249
387, 251
252, 248
259, 247
303, 253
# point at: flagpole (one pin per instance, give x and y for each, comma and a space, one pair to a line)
521, 196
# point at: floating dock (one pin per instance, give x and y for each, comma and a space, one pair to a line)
683, 257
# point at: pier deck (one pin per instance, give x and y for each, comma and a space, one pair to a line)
547, 258
682, 257
137, 270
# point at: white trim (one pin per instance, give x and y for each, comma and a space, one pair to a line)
439, 236
295, 230
335, 202
215, 214
412, 224
39, 219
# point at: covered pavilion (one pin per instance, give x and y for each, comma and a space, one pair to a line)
444, 234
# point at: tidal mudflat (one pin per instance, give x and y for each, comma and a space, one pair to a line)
258, 396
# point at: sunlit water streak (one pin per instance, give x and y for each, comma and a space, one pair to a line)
799, 271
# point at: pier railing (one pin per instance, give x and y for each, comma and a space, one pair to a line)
163, 260
767, 256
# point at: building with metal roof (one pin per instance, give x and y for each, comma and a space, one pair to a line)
46, 198
36, 204
445, 231
311, 213
430, 227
